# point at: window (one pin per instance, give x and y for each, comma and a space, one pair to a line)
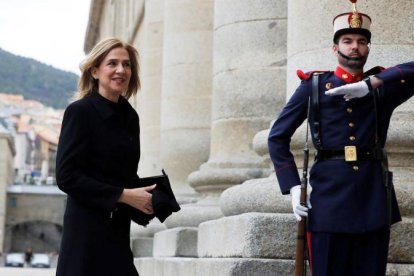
13, 202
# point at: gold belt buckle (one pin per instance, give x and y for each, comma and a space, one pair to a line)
350, 153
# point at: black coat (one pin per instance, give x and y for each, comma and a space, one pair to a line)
97, 157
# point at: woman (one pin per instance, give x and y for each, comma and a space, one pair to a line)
96, 165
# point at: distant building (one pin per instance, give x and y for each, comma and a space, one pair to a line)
36, 130
7, 153
29, 132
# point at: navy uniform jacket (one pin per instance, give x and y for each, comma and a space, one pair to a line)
345, 198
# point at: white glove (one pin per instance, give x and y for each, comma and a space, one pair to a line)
352, 90
299, 210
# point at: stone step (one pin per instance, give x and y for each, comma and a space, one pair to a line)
233, 267
213, 267
142, 247
176, 242
166, 266
401, 248
244, 267
400, 269
261, 235
250, 235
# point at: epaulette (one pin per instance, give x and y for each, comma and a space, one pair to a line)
305, 76
375, 70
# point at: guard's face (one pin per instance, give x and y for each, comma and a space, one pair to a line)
356, 49
113, 73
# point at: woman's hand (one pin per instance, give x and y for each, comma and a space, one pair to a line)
139, 198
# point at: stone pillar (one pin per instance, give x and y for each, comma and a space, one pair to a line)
7, 153
246, 236
149, 100
186, 90
145, 32
185, 119
249, 60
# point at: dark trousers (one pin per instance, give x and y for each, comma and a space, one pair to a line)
361, 254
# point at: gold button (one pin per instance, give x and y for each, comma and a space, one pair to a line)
349, 110
352, 138
355, 168
351, 125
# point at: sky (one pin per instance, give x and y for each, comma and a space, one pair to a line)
50, 31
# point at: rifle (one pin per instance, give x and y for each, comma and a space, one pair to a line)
300, 260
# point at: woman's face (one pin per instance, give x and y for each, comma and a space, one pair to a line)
113, 74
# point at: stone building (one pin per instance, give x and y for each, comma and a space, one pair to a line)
28, 143
7, 153
215, 73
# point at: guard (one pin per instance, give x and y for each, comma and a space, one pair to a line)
352, 201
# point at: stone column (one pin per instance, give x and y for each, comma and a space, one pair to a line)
149, 100
186, 90
247, 237
185, 117
249, 60
147, 36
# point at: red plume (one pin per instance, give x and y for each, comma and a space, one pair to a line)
353, 1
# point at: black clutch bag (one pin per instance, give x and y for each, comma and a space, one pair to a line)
164, 202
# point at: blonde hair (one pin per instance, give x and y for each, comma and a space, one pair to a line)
87, 84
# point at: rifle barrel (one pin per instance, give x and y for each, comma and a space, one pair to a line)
300, 260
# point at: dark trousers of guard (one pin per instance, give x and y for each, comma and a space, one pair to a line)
360, 254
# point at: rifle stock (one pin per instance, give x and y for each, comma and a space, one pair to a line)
300, 260
300, 264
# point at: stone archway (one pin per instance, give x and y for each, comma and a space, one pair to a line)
41, 236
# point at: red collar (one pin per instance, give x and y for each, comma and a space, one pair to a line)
347, 77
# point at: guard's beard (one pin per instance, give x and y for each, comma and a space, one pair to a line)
352, 62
